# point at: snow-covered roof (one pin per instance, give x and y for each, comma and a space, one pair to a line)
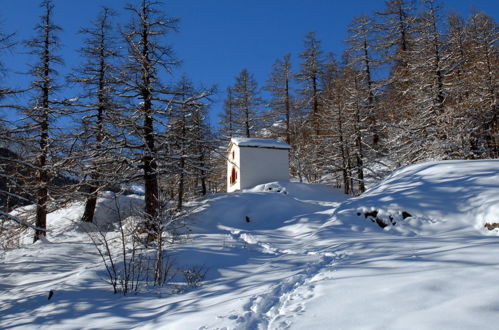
259, 143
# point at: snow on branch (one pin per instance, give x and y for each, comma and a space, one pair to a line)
21, 222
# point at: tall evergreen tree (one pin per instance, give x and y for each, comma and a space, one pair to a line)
428, 136
309, 77
98, 78
355, 107
280, 103
246, 103
362, 90
481, 44
189, 141
42, 111
457, 88
394, 28
203, 145
9, 184
229, 123
336, 140
309, 112
362, 59
148, 57
342, 122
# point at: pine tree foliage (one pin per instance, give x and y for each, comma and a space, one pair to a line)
420, 130
190, 142
428, 73
325, 157
148, 58
281, 101
99, 110
41, 114
11, 193
308, 124
229, 123
457, 90
394, 29
6, 43
338, 141
482, 80
247, 102
428, 99
414, 84
394, 33
396, 25
361, 58
309, 77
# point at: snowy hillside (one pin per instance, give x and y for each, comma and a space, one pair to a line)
288, 255
455, 194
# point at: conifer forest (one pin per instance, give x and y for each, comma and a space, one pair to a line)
415, 83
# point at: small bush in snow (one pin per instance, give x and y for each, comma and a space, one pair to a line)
195, 275
132, 261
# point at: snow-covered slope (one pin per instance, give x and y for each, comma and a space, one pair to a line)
290, 255
455, 194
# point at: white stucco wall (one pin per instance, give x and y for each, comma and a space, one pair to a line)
261, 165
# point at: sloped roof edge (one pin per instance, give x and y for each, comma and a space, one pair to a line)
259, 143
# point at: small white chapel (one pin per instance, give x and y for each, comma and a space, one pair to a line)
252, 161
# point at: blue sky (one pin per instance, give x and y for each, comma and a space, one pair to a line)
217, 38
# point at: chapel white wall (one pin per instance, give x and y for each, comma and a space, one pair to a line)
262, 165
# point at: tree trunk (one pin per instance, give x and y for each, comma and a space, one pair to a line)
150, 173
91, 202
42, 193
203, 174
315, 106
181, 184
149, 161
287, 109
42, 179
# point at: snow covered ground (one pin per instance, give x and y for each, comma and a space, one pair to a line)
289, 255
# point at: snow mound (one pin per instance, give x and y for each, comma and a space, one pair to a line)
302, 191
431, 197
268, 187
265, 206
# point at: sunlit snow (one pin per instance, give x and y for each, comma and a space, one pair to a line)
288, 255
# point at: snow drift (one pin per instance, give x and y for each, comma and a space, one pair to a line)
456, 195
288, 256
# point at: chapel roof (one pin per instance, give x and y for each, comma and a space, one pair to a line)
259, 143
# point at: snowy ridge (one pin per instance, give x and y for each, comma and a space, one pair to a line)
433, 192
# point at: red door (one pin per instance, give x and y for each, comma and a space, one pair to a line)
233, 176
